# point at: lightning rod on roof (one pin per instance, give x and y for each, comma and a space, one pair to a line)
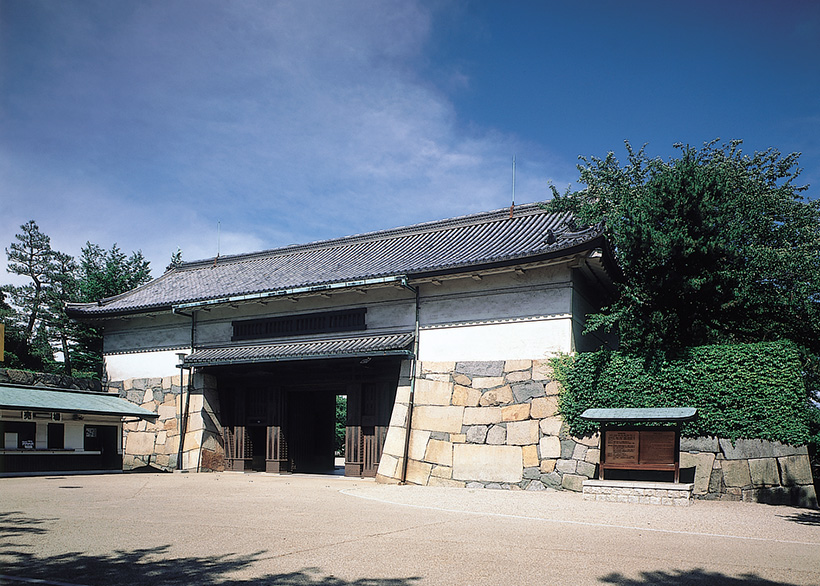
512, 205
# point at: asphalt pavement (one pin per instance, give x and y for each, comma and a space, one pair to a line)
243, 529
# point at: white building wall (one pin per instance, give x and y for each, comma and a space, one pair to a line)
520, 340
159, 363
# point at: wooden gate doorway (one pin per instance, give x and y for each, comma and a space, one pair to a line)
280, 417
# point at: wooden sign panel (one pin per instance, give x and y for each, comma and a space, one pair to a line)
657, 447
621, 447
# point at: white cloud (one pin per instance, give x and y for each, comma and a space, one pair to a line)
146, 124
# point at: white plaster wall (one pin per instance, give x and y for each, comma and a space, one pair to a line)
143, 364
520, 340
74, 435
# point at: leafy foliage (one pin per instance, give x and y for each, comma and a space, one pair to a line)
35, 319
341, 424
740, 390
715, 247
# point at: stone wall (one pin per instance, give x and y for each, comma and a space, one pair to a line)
44, 379
494, 424
748, 470
157, 444
487, 424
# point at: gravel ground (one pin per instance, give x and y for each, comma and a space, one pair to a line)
296, 529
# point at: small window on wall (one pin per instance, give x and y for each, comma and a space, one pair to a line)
18, 435
56, 436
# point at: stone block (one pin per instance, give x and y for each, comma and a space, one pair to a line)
437, 377
530, 455
541, 370
482, 415
394, 442
446, 482
593, 456
399, 416
418, 472
418, 444
481, 368
467, 396
458, 438
432, 392
552, 480
518, 376
590, 441
764, 472
532, 473
477, 434
585, 469
755, 448
536, 485
389, 466
580, 452
147, 396
438, 418
498, 396
439, 367
794, 470
549, 447
517, 365
403, 394
442, 471
139, 443
518, 412
567, 448
487, 463
487, 382
526, 390
166, 411
497, 435
699, 444
566, 466
521, 433
551, 426
462, 379
542, 407
552, 388
573, 482
736, 473
439, 452
702, 463
547, 466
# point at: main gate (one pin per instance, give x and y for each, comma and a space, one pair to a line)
280, 417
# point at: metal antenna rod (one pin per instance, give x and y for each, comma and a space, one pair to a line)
512, 205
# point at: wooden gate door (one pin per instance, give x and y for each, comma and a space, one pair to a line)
369, 406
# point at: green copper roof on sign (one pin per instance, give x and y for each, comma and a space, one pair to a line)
641, 414
69, 401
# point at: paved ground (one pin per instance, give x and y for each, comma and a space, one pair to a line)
266, 529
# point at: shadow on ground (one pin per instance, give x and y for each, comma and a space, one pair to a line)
147, 566
807, 518
695, 577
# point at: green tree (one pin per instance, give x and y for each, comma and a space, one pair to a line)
106, 273
715, 246
63, 288
30, 255
176, 260
101, 274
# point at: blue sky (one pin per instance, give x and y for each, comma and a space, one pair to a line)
150, 124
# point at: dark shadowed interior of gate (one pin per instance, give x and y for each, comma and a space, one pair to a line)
280, 416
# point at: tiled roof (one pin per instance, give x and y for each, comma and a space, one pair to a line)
445, 246
362, 346
69, 401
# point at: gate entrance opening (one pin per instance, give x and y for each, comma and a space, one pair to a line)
281, 417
